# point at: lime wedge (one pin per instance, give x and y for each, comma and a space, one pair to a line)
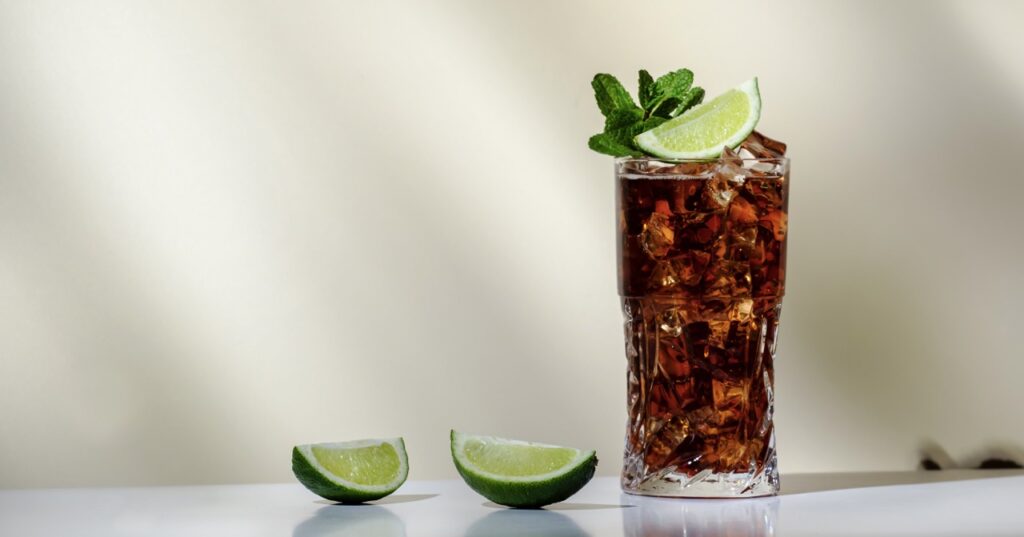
352, 472
521, 474
702, 130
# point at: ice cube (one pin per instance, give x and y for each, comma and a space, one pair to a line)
766, 193
727, 278
666, 169
742, 212
767, 279
762, 147
657, 236
670, 322
673, 366
688, 169
761, 155
776, 222
741, 229
729, 166
667, 440
713, 309
699, 230
758, 256
741, 310
742, 243
687, 195
664, 275
729, 394
690, 266
703, 421
718, 333
718, 192
684, 388
727, 452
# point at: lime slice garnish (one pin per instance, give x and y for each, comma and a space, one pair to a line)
702, 130
521, 474
356, 471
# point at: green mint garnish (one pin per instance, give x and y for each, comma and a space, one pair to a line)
604, 143
611, 96
662, 99
644, 88
691, 98
622, 117
668, 91
618, 142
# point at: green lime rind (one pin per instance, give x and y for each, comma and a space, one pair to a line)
702, 131
324, 483
524, 491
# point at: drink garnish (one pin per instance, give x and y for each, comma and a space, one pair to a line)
672, 121
705, 129
660, 100
520, 474
352, 472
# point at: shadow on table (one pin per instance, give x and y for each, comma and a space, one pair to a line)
804, 483
394, 498
337, 520
569, 506
525, 523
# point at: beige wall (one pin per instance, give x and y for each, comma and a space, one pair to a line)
226, 228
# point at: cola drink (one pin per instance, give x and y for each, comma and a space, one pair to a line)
702, 260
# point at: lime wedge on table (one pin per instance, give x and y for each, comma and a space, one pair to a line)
702, 130
521, 474
356, 471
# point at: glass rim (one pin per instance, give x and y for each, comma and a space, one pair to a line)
621, 160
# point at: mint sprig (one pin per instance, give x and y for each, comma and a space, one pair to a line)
610, 94
660, 100
644, 85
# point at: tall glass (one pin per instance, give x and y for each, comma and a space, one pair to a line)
702, 258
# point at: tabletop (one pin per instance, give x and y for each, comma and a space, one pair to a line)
948, 503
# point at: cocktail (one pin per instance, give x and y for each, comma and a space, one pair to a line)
702, 251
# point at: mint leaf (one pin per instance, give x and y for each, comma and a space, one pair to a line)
622, 117
692, 98
645, 84
619, 142
660, 99
625, 135
674, 83
666, 107
607, 144
610, 94
645, 125
669, 87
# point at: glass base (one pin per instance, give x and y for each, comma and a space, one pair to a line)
754, 517
708, 484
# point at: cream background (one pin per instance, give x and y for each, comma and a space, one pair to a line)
229, 227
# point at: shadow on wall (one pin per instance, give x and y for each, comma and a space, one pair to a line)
883, 342
890, 277
994, 457
805, 483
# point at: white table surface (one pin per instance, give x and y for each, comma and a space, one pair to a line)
950, 503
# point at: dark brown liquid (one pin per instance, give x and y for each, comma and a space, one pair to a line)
702, 269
